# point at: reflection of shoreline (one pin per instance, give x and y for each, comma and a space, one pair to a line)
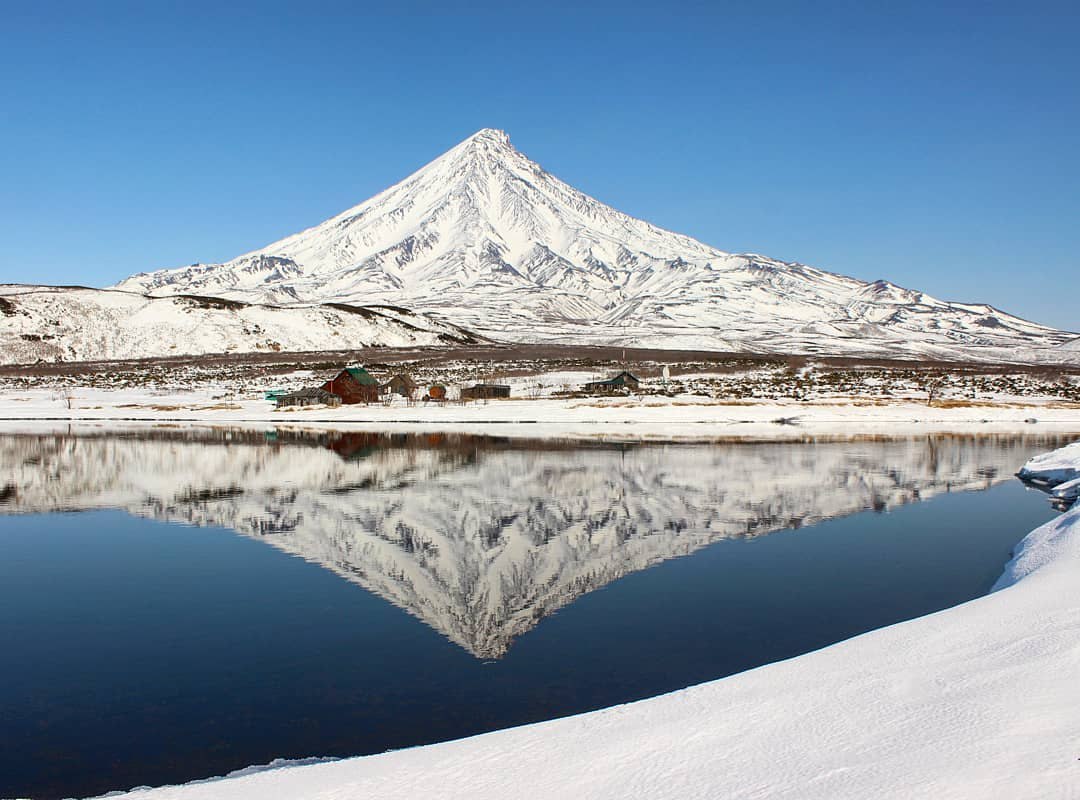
481, 537
614, 426
337, 437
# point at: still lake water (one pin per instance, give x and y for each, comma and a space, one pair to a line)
175, 605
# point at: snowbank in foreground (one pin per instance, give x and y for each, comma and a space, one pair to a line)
1054, 467
974, 702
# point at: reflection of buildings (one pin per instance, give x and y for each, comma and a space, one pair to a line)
481, 537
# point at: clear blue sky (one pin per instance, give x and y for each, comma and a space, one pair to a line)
933, 144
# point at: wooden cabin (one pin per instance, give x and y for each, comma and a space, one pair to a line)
624, 380
485, 391
308, 397
400, 384
353, 385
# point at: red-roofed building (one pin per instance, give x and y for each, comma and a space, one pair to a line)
354, 385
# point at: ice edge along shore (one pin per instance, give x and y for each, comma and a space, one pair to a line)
974, 701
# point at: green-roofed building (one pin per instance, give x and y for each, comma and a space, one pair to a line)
624, 381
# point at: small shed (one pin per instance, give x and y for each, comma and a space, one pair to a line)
354, 385
485, 391
400, 384
308, 397
624, 380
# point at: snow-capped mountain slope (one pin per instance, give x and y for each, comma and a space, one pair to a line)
478, 538
486, 238
75, 324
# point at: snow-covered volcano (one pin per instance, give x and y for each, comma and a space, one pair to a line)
487, 239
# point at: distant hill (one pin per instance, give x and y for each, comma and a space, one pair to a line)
77, 324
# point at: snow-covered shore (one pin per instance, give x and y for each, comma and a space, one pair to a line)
635, 417
976, 701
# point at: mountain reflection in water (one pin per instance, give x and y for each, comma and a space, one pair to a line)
481, 537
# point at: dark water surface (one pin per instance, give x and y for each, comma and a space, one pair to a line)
175, 606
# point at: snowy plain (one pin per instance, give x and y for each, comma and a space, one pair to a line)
978, 701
